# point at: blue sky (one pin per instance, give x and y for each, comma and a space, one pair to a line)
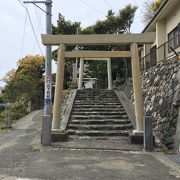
15, 45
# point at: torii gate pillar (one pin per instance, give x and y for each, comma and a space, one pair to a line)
137, 88
109, 74
81, 69
58, 89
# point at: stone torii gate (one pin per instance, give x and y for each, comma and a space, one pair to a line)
95, 59
101, 39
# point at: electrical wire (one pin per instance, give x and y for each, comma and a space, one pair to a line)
109, 4
38, 18
30, 20
24, 31
89, 5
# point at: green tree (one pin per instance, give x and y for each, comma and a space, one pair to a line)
65, 27
114, 23
155, 5
26, 82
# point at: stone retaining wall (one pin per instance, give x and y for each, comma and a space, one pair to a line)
159, 85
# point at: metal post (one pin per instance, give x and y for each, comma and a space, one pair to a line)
47, 109
148, 133
47, 117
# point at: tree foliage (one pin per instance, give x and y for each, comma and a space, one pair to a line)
113, 23
155, 5
26, 82
65, 27
150, 9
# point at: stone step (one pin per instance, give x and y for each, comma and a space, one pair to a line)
96, 96
100, 127
102, 121
96, 106
96, 103
95, 92
97, 109
98, 113
122, 116
98, 137
98, 133
97, 99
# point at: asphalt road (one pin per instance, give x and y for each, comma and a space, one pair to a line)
22, 157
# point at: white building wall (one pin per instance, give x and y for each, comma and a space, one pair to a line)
172, 21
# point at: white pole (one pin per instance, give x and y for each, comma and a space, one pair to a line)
81, 73
109, 74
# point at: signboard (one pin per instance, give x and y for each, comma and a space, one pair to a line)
48, 87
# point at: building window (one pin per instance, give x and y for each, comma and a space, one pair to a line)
174, 38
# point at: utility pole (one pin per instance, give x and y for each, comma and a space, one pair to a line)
47, 117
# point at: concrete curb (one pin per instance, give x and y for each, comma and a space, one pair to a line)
175, 168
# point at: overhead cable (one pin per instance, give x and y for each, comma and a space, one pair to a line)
89, 5
30, 20
108, 4
24, 31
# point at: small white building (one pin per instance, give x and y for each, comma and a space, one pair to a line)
166, 25
89, 83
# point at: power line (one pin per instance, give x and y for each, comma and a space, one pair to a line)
89, 5
38, 18
30, 20
24, 31
109, 4
22, 4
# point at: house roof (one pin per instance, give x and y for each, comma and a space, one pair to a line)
162, 12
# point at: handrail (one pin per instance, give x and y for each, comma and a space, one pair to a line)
165, 49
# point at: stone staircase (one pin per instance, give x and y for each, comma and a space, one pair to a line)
98, 114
